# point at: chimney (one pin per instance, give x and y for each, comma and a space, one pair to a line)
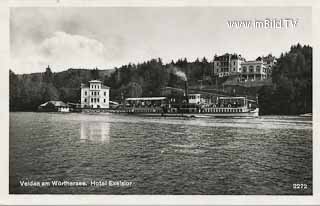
186, 91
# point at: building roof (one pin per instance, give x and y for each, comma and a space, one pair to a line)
232, 97
105, 87
55, 103
228, 56
114, 103
145, 98
252, 62
95, 81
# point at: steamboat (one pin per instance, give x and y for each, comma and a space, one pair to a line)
192, 106
222, 107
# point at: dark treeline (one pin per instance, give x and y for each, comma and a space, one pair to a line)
292, 84
148, 78
291, 92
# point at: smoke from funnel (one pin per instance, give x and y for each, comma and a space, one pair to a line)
179, 73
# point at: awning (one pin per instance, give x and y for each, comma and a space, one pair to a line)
146, 98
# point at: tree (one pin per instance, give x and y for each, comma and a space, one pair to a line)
292, 83
48, 76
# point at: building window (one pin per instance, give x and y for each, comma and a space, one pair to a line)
258, 68
85, 100
234, 63
105, 93
244, 69
97, 99
251, 69
91, 99
104, 100
85, 93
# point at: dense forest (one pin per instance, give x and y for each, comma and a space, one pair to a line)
291, 92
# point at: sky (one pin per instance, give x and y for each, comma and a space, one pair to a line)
109, 37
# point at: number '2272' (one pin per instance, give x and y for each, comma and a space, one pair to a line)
299, 186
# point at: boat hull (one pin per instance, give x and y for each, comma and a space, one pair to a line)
248, 114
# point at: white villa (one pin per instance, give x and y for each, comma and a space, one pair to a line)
96, 95
253, 70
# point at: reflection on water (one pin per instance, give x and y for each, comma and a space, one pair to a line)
260, 156
96, 132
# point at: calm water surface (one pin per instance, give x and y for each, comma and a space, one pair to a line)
160, 155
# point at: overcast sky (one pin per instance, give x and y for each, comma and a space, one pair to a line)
109, 37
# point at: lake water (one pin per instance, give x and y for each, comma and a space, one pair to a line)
266, 155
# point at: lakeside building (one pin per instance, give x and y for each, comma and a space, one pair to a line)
54, 106
238, 69
227, 64
253, 70
269, 61
94, 95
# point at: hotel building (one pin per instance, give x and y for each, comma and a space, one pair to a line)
94, 95
253, 70
268, 61
227, 64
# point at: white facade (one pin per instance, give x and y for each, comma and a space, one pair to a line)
253, 70
227, 64
235, 66
96, 95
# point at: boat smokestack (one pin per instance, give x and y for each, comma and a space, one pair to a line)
186, 91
